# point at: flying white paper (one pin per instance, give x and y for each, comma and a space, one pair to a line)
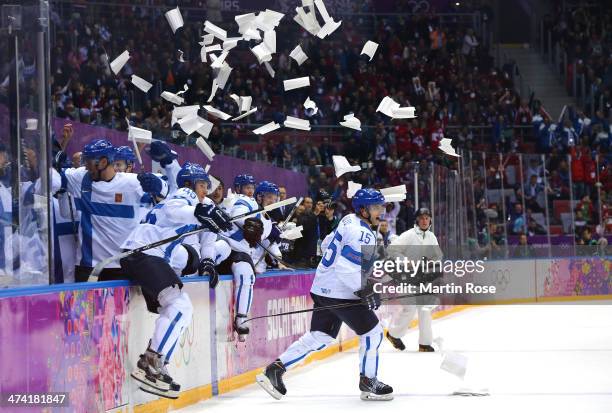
175, 19
297, 123
392, 109
243, 102
406, 112
350, 121
446, 147
353, 187
296, 83
213, 48
139, 135
394, 190
206, 150
270, 40
214, 183
206, 127
231, 42
181, 112
172, 98
309, 104
298, 55
216, 112
207, 39
141, 84
387, 105
190, 124
342, 166
268, 127
262, 53
244, 115
218, 63
119, 62
213, 92
369, 49
216, 30
223, 75
395, 197
270, 69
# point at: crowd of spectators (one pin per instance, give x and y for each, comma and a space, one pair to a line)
441, 67
584, 34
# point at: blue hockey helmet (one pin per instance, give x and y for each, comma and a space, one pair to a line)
125, 153
98, 149
244, 179
191, 172
266, 187
366, 197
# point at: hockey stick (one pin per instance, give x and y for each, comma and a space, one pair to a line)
295, 207
331, 307
102, 264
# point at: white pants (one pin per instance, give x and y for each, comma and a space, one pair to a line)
400, 323
369, 344
175, 314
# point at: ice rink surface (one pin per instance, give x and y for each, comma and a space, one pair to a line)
531, 358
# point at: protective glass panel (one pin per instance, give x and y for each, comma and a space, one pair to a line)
25, 253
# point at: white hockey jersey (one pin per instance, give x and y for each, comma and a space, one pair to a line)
243, 205
417, 237
65, 232
339, 272
170, 217
23, 252
109, 212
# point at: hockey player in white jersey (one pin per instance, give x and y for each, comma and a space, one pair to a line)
158, 270
420, 235
338, 281
241, 246
108, 202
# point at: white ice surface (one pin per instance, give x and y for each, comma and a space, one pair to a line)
532, 358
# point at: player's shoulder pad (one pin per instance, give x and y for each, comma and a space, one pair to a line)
246, 201
186, 194
348, 220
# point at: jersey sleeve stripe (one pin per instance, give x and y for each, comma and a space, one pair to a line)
351, 255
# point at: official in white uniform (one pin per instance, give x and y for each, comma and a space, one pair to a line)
420, 235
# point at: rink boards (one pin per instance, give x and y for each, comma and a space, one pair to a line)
84, 339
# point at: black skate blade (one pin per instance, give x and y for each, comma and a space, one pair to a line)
265, 384
371, 397
170, 394
140, 376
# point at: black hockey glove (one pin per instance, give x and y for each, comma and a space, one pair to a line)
207, 267
369, 298
212, 218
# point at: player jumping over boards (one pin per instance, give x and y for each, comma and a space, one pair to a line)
158, 270
338, 281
